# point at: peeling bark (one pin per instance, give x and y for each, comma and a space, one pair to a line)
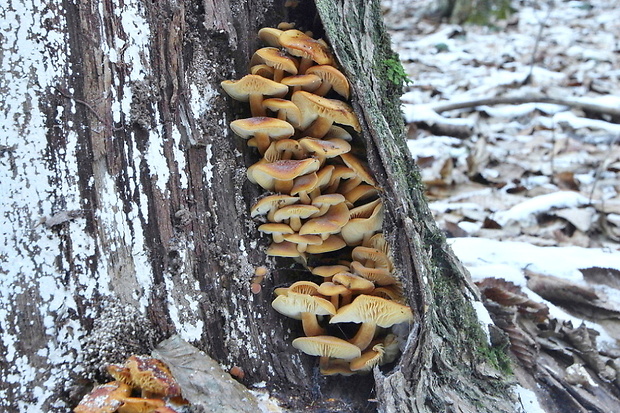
114, 119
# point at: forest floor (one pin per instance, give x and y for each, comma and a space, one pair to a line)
529, 189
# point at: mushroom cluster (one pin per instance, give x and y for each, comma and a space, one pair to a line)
323, 207
142, 385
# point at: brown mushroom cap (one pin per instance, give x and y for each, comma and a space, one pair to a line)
285, 249
371, 257
331, 223
285, 109
294, 214
302, 82
323, 149
279, 175
331, 78
105, 398
355, 283
371, 312
360, 193
270, 204
253, 88
276, 230
304, 307
289, 149
274, 57
321, 113
303, 185
303, 241
299, 44
368, 359
270, 36
332, 243
360, 169
365, 221
327, 346
379, 276
262, 70
263, 129
324, 202
152, 375
327, 271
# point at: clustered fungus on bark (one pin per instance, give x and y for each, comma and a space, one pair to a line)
323, 207
156, 390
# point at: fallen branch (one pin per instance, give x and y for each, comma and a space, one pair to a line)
586, 106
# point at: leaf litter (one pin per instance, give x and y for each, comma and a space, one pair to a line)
515, 127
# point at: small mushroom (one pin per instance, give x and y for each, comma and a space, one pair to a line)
270, 36
286, 249
301, 45
253, 88
368, 359
278, 176
360, 193
270, 204
328, 271
275, 58
262, 70
362, 174
323, 149
334, 292
365, 221
379, 276
324, 202
105, 398
319, 113
332, 222
302, 82
355, 283
331, 78
277, 230
263, 129
293, 214
371, 257
304, 185
335, 367
304, 307
327, 347
152, 376
303, 241
285, 110
332, 243
371, 312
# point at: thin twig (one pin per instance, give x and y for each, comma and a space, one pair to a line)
517, 100
528, 78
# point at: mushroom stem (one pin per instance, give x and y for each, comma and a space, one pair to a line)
364, 335
278, 74
304, 65
323, 89
262, 142
295, 223
256, 105
346, 299
311, 325
319, 127
323, 363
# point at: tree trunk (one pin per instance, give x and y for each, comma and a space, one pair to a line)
126, 208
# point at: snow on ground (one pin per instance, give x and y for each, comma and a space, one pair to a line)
521, 186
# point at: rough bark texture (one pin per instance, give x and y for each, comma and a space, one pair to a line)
125, 215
